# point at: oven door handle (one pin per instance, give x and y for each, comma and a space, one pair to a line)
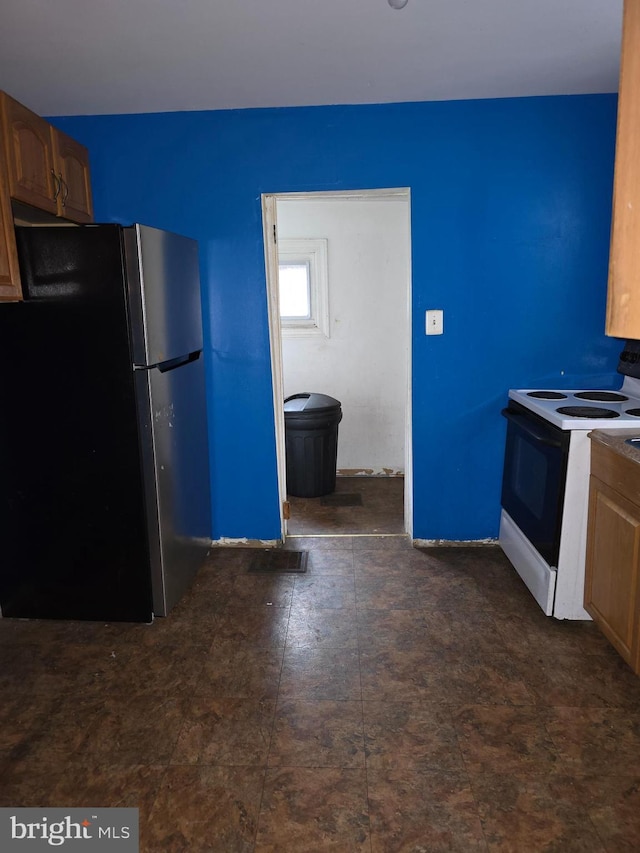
525, 424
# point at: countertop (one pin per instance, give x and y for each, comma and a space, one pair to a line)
616, 440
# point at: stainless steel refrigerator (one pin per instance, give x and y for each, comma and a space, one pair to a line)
104, 467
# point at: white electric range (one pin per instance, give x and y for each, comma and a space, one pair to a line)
585, 409
545, 489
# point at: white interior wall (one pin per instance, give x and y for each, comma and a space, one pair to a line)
364, 362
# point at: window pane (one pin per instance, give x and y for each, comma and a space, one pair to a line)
295, 299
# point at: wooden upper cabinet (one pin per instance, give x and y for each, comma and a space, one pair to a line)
10, 290
623, 302
29, 153
72, 169
45, 168
41, 169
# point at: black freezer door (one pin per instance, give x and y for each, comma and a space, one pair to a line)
72, 512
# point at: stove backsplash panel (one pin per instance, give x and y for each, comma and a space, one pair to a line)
629, 363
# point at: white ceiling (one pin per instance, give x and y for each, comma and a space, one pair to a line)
64, 57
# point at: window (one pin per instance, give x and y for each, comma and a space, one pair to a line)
303, 286
295, 290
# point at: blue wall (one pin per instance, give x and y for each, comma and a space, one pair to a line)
511, 205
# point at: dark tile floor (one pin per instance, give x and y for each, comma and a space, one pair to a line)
388, 700
381, 509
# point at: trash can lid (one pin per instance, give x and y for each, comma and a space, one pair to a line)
309, 403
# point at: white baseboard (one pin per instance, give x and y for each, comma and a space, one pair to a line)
225, 542
453, 543
370, 472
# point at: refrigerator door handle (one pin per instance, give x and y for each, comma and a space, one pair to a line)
178, 362
172, 363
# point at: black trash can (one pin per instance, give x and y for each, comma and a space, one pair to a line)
311, 443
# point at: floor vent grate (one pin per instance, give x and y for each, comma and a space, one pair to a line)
274, 561
338, 499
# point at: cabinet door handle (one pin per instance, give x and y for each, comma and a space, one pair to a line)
65, 193
58, 185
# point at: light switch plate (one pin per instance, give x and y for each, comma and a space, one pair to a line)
434, 322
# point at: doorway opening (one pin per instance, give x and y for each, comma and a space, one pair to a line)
351, 340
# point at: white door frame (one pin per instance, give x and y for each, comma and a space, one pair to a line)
269, 231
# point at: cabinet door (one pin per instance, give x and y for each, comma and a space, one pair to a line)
623, 299
72, 167
27, 141
613, 568
10, 290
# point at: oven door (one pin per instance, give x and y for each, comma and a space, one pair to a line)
533, 482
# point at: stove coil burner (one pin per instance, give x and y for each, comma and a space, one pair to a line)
602, 396
587, 412
547, 395
634, 412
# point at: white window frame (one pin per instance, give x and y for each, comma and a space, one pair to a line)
313, 252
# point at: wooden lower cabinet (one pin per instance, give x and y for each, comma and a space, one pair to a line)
612, 580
